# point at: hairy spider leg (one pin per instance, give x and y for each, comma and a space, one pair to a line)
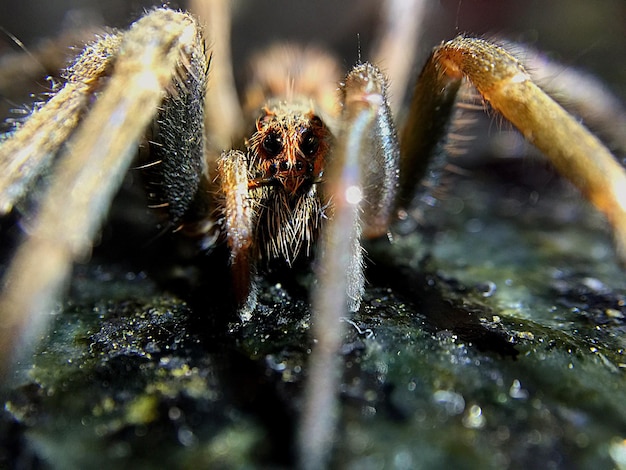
581, 94
158, 49
502, 81
32, 146
362, 183
223, 114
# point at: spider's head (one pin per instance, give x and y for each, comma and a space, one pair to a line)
288, 148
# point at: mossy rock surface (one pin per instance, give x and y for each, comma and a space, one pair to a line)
491, 338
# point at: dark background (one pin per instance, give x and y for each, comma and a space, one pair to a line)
589, 35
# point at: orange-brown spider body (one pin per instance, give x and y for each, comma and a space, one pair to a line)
291, 150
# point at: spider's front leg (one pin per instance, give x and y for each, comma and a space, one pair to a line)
362, 181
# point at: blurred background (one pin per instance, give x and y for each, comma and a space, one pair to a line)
588, 35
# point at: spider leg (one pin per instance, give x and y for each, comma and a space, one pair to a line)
580, 93
223, 114
395, 47
502, 81
33, 144
426, 126
158, 49
20, 70
362, 182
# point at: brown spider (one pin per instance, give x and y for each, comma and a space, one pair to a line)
307, 160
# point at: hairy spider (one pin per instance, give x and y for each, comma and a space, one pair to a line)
314, 167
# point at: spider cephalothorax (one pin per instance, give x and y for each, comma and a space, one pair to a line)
289, 147
287, 156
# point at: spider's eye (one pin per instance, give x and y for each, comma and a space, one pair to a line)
273, 144
310, 144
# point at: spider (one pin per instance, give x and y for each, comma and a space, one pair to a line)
313, 169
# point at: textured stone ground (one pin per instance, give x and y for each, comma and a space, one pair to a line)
495, 340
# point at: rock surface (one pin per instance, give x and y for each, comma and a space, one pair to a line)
492, 338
